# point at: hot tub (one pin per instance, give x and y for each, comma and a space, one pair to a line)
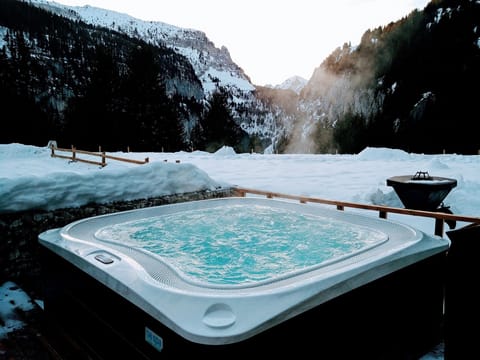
235, 275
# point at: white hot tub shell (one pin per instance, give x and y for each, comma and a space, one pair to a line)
105, 282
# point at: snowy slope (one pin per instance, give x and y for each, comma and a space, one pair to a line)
212, 65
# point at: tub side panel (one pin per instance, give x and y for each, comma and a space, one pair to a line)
399, 316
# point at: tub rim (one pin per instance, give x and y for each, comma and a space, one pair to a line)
220, 316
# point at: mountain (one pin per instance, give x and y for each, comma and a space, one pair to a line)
88, 76
213, 66
78, 68
265, 123
408, 84
80, 84
294, 83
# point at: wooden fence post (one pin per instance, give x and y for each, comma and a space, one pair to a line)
73, 153
103, 159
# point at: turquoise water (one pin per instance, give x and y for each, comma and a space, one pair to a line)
240, 244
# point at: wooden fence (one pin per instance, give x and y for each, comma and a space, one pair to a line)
440, 217
103, 161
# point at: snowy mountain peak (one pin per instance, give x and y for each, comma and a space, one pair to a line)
213, 66
294, 83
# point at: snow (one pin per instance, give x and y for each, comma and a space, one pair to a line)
294, 83
11, 298
157, 32
31, 179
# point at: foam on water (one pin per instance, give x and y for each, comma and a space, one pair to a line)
240, 244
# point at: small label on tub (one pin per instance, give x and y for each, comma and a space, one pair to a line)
153, 339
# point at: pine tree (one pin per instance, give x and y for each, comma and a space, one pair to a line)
218, 124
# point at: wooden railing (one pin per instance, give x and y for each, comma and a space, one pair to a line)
74, 156
383, 211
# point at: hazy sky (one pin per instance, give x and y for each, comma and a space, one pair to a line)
271, 40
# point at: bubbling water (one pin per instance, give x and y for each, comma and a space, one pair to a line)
239, 244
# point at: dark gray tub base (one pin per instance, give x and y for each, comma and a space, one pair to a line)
399, 316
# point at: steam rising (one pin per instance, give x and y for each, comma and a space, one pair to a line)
326, 99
